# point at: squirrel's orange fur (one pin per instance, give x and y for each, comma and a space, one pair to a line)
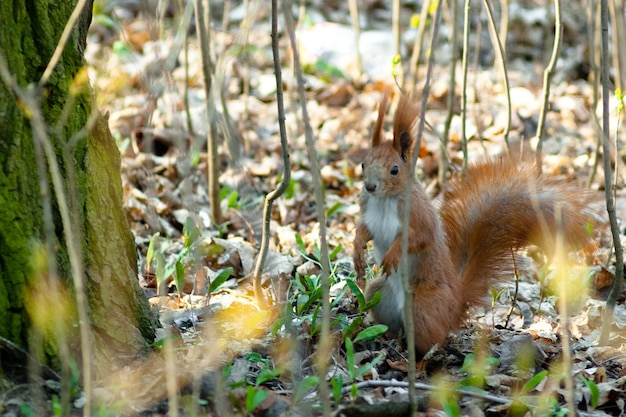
456, 253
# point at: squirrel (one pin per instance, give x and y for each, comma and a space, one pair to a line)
457, 252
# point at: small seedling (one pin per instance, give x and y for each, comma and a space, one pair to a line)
336, 384
593, 390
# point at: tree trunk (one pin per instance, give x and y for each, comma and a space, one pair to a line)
33, 245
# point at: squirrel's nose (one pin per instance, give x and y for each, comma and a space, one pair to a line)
370, 187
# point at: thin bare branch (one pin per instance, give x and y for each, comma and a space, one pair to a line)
417, 45
395, 28
443, 146
465, 61
272, 196
547, 77
356, 28
67, 32
404, 262
323, 350
202, 28
610, 202
502, 59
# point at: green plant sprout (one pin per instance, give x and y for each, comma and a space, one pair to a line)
360, 297
594, 391
305, 386
336, 384
477, 368
396, 62
495, 294
335, 209
229, 198
182, 261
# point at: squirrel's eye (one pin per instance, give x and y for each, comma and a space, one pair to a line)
363, 166
394, 170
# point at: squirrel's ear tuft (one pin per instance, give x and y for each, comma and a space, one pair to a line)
404, 125
406, 145
377, 136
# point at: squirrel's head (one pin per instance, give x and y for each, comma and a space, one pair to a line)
386, 167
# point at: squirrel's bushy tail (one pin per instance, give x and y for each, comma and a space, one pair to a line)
500, 206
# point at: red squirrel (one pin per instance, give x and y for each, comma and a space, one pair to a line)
457, 252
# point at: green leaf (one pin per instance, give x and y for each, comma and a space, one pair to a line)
534, 381
468, 362
120, 49
26, 410
300, 243
179, 276
315, 329
254, 397
191, 232
255, 357
160, 343
350, 357
371, 332
220, 279
301, 302
335, 208
194, 157
360, 298
150, 253
160, 267
226, 371
304, 386
232, 202
290, 192
267, 375
593, 389
336, 384
349, 331
224, 192
335, 252
363, 369
452, 409
339, 296
373, 301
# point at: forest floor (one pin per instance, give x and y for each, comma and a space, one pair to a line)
259, 361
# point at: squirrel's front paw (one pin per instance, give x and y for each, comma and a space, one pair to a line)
390, 263
359, 264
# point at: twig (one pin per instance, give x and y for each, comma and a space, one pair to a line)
593, 24
464, 64
67, 32
395, 28
610, 202
504, 25
184, 27
505, 78
547, 77
325, 339
356, 28
270, 197
443, 146
515, 294
423, 387
417, 45
616, 16
202, 29
404, 263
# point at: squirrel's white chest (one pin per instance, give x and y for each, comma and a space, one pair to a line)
382, 220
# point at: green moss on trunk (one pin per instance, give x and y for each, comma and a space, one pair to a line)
119, 314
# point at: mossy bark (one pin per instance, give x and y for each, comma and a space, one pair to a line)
119, 315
